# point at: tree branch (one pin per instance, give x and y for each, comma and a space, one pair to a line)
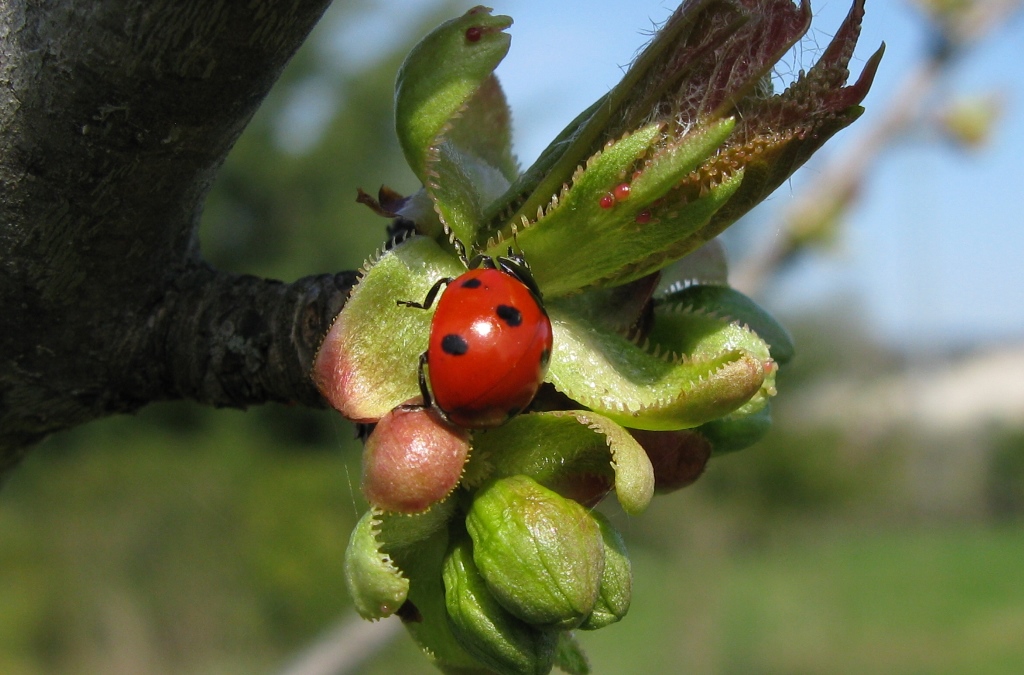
115, 117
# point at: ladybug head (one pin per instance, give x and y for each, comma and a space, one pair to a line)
514, 264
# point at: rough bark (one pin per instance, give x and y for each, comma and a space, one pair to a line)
114, 118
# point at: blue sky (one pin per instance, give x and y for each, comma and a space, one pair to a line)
932, 252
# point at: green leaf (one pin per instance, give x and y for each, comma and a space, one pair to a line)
707, 265
634, 476
578, 240
484, 129
553, 168
376, 585
473, 164
731, 305
399, 531
367, 364
639, 389
696, 325
468, 183
703, 320
737, 431
700, 332
618, 309
440, 75
648, 88
555, 447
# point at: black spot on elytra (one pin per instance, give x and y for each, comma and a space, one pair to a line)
470, 283
454, 345
545, 356
510, 315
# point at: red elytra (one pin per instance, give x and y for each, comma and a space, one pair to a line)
490, 343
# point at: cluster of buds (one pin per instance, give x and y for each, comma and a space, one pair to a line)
485, 542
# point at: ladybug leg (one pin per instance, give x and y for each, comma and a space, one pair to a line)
428, 400
428, 302
424, 391
477, 261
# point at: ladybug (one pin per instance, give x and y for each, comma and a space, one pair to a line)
490, 342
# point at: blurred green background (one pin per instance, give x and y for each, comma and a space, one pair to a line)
862, 536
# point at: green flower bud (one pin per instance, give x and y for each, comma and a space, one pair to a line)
487, 630
541, 554
616, 581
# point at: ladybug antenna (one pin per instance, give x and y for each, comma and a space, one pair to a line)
516, 265
515, 242
479, 260
518, 258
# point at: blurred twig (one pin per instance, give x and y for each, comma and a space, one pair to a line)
344, 647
